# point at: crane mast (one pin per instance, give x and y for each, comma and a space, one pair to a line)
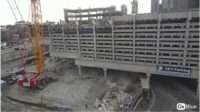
38, 79
37, 35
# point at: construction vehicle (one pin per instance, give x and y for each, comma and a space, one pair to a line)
36, 78
27, 78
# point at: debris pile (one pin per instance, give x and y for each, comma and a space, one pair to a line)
113, 100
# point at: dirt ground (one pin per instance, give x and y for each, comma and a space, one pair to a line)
75, 92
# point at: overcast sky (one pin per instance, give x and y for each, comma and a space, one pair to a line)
52, 10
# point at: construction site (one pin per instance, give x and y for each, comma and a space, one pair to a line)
101, 59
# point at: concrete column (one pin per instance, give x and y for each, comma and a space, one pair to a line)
49, 29
158, 36
197, 88
105, 73
89, 13
133, 38
94, 35
63, 30
96, 15
51, 40
113, 49
186, 42
186, 38
80, 16
63, 35
54, 63
78, 38
148, 79
79, 70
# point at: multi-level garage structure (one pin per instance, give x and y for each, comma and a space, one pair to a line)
97, 13
152, 43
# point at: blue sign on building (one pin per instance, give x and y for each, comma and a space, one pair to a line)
177, 71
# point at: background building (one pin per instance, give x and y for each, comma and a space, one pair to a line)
134, 6
124, 9
154, 5
92, 13
173, 5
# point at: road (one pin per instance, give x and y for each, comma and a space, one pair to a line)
5, 68
169, 92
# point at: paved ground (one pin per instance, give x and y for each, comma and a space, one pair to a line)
74, 92
145, 103
168, 93
5, 68
78, 92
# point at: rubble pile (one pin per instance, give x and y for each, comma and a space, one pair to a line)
114, 100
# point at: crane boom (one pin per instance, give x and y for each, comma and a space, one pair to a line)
38, 79
37, 35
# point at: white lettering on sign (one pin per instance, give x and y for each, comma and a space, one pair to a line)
174, 70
